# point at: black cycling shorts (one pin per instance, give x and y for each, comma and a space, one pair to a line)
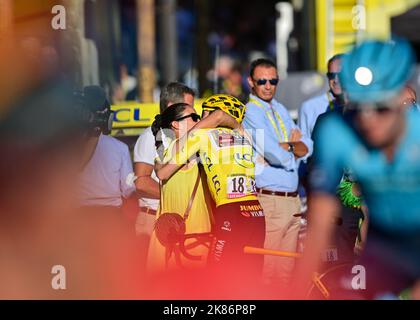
238, 225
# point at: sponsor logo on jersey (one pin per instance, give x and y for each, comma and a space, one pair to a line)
226, 140
254, 214
216, 184
244, 160
223, 138
226, 226
252, 210
218, 249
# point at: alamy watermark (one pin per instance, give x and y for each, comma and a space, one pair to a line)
358, 21
58, 21
358, 282
58, 281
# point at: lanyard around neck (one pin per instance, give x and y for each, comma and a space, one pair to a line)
273, 123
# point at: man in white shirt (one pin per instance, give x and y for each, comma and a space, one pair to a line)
107, 164
147, 184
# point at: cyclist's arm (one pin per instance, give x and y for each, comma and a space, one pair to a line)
216, 119
189, 144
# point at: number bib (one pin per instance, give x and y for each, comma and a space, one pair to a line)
240, 186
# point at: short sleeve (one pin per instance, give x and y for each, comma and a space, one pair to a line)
145, 150
126, 170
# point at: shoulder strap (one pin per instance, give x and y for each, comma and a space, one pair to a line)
197, 181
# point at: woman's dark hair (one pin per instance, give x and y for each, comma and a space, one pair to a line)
164, 120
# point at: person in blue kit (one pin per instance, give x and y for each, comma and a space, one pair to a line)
378, 139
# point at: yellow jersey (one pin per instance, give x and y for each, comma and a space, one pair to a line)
175, 199
227, 158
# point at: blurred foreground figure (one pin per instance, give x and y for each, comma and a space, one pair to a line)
41, 137
379, 141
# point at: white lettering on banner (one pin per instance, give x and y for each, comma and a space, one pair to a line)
58, 22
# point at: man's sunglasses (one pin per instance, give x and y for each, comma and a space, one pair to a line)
332, 75
195, 117
262, 82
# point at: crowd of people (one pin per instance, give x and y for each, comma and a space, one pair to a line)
219, 191
212, 206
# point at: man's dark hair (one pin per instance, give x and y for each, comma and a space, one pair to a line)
261, 62
338, 56
174, 93
94, 101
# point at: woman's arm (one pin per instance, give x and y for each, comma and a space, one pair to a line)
165, 171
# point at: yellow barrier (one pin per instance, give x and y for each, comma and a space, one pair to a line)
341, 23
132, 114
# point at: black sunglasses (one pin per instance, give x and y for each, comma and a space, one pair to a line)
332, 75
195, 117
261, 82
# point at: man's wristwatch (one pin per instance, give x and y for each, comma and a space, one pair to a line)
291, 147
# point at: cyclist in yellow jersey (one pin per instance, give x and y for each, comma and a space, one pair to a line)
175, 120
227, 159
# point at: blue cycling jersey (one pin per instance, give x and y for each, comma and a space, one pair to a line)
391, 190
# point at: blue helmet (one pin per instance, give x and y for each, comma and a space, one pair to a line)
376, 70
